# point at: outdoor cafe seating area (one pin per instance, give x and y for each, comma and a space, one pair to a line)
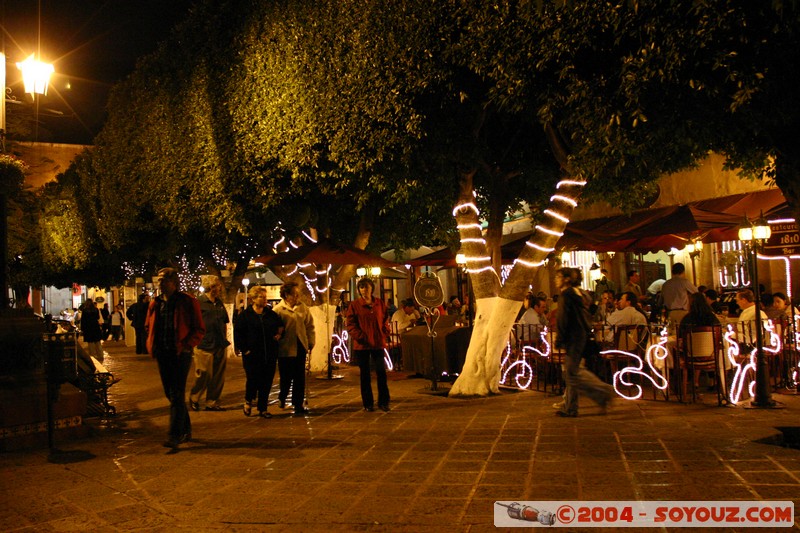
661, 361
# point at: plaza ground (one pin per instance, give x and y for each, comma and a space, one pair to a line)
431, 464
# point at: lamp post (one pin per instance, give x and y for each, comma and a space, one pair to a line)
36, 78
245, 283
694, 249
753, 234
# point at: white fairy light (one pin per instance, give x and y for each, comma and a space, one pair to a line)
553, 214
469, 226
529, 264
565, 199
540, 248
309, 237
565, 183
467, 205
479, 241
549, 231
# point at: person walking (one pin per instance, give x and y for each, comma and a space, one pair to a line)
92, 329
297, 341
137, 313
368, 325
174, 327
256, 334
574, 331
117, 320
210, 357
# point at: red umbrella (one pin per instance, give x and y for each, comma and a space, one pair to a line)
326, 252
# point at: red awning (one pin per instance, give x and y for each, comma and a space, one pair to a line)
662, 228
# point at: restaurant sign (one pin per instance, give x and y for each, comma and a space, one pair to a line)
785, 240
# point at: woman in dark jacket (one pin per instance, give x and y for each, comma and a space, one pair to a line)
92, 329
573, 333
368, 325
256, 333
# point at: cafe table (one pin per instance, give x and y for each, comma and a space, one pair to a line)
449, 349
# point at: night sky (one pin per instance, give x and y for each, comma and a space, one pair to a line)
92, 45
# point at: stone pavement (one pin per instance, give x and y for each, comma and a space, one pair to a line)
431, 464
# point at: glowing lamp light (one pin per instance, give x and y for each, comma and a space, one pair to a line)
698, 244
375, 272
565, 257
746, 233
461, 259
690, 248
361, 272
245, 282
35, 75
762, 232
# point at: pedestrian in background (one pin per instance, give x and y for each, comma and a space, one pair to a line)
210, 357
137, 313
256, 334
92, 329
574, 331
368, 326
297, 341
105, 324
174, 327
117, 320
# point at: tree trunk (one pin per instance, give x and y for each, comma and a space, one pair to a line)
497, 306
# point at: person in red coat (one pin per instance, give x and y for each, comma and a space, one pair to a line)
368, 325
174, 327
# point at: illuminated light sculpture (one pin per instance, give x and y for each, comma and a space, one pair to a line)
524, 375
742, 371
657, 351
339, 352
387, 360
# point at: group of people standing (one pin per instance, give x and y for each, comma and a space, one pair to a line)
180, 328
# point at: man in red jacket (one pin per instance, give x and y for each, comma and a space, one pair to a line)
174, 327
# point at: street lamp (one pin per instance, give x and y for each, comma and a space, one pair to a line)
694, 248
757, 232
36, 76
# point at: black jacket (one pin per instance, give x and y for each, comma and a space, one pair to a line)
254, 335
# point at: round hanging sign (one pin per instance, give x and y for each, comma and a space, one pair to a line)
428, 291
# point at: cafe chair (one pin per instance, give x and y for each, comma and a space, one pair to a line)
394, 347
549, 360
700, 350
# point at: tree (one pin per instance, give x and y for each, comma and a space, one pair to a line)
626, 91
